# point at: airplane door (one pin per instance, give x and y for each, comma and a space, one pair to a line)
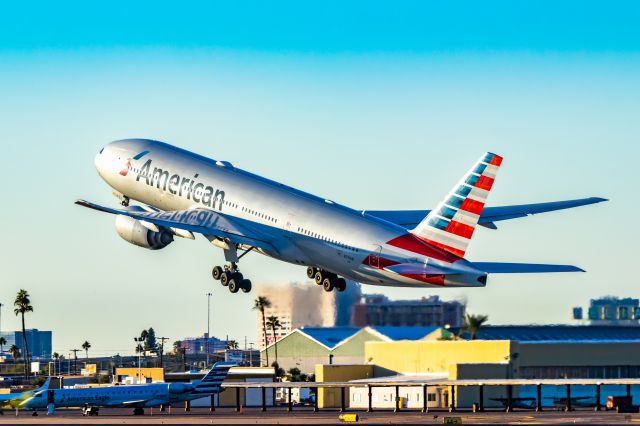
374, 257
289, 225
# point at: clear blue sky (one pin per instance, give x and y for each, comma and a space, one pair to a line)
374, 104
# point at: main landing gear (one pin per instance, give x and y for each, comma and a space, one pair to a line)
328, 280
230, 277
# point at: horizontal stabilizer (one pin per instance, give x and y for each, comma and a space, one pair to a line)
490, 215
523, 268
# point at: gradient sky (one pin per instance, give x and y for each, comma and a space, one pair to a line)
380, 105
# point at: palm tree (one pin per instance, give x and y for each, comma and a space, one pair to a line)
473, 324
86, 345
15, 352
260, 304
56, 358
232, 344
22, 306
273, 322
3, 342
143, 346
180, 352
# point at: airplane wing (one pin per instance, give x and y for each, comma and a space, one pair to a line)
8, 397
206, 222
411, 218
132, 403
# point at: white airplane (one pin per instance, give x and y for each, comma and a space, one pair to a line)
135, 396
182, 194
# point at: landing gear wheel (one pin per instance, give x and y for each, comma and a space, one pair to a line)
327, 284
237, 276
224, 278
311, 272
341, 284
245, 286
233, 285
319, 277
138, 411
216, 273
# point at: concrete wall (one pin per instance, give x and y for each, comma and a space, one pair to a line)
467, 396
330, 398
385, 397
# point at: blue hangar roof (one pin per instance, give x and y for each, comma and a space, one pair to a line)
558, 333
331, 336
405, 333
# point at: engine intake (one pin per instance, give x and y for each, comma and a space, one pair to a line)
132, 231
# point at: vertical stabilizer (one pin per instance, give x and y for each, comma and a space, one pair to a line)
212, 382
451, 224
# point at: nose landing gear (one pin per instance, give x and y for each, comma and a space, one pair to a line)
230, 277
328, 280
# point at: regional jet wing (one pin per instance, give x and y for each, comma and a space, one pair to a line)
133, 403
206, 222
411, 218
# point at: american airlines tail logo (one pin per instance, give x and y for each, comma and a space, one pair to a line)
181, 186
126, 168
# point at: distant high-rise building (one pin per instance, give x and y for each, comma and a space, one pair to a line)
306, 305
378, 310
200, 345
614, 311
39, 342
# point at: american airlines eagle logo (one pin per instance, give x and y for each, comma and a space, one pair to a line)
126, 168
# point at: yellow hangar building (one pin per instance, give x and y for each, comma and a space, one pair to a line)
431, 354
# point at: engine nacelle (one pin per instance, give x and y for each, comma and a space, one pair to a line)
178, 388
132, 231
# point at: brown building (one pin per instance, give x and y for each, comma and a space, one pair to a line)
376, 310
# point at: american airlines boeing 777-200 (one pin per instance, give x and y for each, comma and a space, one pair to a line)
183, 193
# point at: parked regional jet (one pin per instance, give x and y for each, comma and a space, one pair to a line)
183, 193
135, 396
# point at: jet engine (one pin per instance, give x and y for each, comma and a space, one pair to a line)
178, 388
134, 232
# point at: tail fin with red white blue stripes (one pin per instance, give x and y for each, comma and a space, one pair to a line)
451, 224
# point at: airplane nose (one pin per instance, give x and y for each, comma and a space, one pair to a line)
99, 162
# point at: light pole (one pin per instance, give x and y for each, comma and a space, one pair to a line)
139, 348
1, 305
206, 344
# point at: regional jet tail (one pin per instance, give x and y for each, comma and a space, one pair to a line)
182, 194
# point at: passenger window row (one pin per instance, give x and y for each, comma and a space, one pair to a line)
322, 237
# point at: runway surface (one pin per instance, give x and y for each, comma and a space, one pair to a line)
305, 416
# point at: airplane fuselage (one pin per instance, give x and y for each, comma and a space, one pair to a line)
148, 395
303, 229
